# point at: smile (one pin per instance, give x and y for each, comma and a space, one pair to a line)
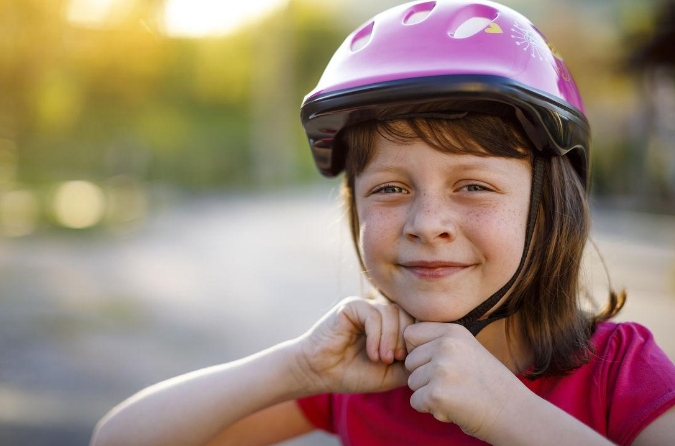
433, 269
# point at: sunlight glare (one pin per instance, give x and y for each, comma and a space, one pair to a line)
97, 13
199, 18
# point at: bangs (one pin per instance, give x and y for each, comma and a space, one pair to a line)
474, 134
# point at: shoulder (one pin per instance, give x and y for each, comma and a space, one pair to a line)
620, 333
638, 378
622, 340
626, 355
623, 356
627, 384
628, 342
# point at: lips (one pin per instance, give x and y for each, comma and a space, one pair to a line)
433, 269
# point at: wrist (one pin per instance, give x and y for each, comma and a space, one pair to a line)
283, 365
306, 379
514, 418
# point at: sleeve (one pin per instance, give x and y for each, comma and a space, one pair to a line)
640, 382
318, 411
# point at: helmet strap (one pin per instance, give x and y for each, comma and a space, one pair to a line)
471, 320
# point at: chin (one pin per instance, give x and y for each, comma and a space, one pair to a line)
437, 318
425, 306
437, 315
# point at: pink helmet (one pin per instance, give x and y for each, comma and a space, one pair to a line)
464, 55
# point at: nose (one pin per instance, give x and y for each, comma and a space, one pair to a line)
431, 220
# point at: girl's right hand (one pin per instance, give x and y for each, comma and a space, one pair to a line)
357, 347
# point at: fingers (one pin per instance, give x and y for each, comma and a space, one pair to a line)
424, 332
428, 342
390, 332
418, 357
373, 329
418, 363
393, 322
418, 377
360, 318
404, 320
383, 324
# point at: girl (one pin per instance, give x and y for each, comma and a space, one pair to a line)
465, 150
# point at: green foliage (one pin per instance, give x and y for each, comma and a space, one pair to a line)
97, 102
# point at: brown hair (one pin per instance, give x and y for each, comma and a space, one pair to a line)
548, 292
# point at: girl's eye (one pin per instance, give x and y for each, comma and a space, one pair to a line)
390, 189
475, 188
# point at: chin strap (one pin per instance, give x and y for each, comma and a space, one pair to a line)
471, 320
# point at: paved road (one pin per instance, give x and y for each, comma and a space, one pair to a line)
87, 320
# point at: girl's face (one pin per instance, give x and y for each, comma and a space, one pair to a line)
439, 232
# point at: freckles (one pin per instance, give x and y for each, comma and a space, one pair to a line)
497, 227
375, 230
513, 224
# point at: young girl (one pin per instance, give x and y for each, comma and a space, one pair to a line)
465, 150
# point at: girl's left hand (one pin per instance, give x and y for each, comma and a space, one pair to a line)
457, 380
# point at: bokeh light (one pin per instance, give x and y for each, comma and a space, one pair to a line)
78, 204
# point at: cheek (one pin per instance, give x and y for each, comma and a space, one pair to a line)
378, 230
499, 232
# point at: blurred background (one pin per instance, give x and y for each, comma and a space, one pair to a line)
160, 211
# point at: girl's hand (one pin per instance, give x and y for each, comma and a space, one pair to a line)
357, 347
457, 380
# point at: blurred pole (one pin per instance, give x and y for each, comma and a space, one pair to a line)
654, 62
661, 134
274, 104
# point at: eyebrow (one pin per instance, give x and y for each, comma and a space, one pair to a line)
400, 167
384, 167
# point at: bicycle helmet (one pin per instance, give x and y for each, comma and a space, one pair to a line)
466, 55
452, 56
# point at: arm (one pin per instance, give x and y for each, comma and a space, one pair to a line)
192, 408
531, 420
282, 422
660, 431
352, 349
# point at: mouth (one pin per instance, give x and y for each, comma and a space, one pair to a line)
435, 269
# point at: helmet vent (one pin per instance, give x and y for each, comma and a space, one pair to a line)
472, 26
362, 37
471, 20
418, 13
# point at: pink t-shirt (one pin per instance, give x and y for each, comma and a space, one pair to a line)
629, 382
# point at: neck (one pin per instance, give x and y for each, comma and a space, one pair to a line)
511, 350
